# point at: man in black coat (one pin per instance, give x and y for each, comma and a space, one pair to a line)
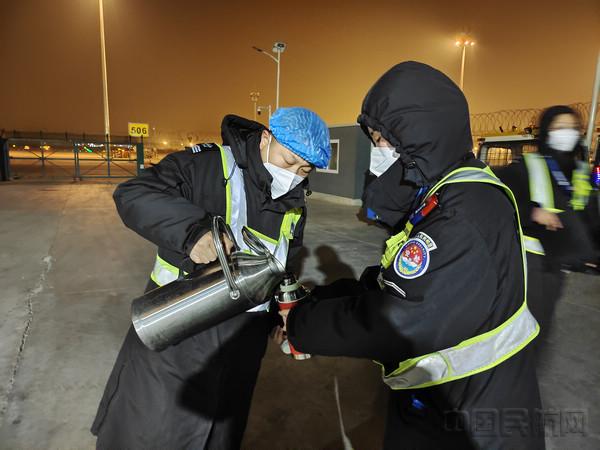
454, 273
197, 394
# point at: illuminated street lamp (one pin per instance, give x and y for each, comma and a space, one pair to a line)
464, 42
278, 48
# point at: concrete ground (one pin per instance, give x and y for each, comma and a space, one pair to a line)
69, 269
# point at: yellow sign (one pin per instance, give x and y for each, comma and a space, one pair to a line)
139, 129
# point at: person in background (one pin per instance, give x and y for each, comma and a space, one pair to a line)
552, 188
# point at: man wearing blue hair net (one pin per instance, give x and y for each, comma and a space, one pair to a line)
197, 393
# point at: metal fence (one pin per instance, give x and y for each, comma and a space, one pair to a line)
69, 156
521, 121
80, 156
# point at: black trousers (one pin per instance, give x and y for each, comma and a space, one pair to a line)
195, 394
545, 286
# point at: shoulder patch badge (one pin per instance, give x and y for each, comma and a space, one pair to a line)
413, 258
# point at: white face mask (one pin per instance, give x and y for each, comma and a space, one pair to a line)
283, 180
563, 140
382, 159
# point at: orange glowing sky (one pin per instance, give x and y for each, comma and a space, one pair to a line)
183, 64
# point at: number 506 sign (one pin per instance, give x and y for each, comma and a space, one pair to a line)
138, 129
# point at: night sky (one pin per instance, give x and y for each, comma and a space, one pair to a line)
183, 64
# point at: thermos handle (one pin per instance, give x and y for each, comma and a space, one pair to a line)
254, 243
217, 225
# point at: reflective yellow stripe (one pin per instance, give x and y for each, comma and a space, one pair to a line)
262, 236
418, 373
554, 210
533, 245
164, 272
540, 182
290, 220
227, 186
170, 267
581, 188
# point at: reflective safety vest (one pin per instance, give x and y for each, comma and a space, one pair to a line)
479, 353
541, 192
236, 218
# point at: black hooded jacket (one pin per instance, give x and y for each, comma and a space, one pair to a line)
172, 203
424, 116
472, 283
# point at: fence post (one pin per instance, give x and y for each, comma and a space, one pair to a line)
107, 143
4, 160
139, 149
76, 160
42, 145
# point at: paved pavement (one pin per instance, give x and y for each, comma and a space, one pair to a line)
69, 268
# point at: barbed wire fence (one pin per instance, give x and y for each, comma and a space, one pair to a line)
518, 120
513, 121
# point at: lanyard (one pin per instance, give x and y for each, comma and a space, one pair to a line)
563, 183
394, 243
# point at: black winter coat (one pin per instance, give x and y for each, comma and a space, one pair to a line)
572, 244
172, 203
473, 281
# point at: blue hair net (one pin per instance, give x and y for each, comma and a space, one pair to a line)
304, 133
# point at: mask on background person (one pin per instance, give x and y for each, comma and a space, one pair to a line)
563, 140
382, 159
283, 180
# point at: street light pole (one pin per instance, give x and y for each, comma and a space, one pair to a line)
462, 67
278, 73
254, 98
464, 42
278, 48
590, 130
104, 76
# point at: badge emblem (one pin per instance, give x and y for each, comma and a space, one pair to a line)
412, 260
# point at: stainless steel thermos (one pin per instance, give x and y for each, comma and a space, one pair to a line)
227, 287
